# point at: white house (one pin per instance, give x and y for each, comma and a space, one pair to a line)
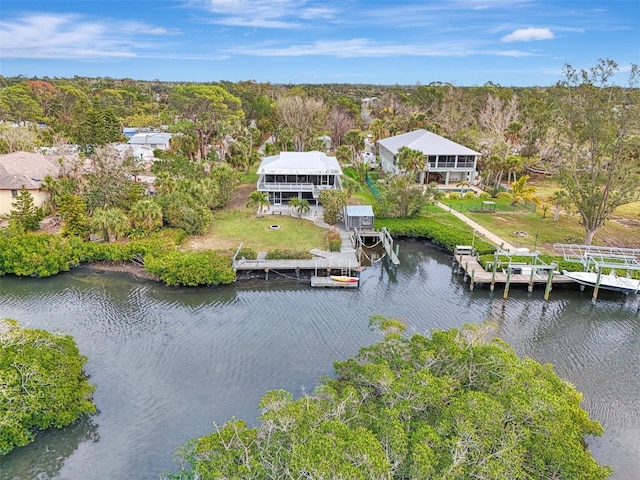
446, 161
26, 169
157, 140
298, 174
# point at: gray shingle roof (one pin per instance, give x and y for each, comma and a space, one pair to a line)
28, 169
298, 163
427, 142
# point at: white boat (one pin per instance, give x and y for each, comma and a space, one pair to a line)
610, 281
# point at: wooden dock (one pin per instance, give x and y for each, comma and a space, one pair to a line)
512, 274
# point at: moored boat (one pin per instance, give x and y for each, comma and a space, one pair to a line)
610, 281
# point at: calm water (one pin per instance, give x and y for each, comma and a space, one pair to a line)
169, 362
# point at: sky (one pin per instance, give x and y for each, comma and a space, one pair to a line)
406, 42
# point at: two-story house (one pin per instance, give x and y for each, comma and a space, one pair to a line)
298, 174
445, 161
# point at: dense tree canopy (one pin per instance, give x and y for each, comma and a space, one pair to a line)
209, 110
452, 406
42, 383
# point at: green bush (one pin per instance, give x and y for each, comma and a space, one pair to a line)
446, 236
286, 254
42, 384
190, 268
38, 255
470, 194
334, 242
484, 195
454, 196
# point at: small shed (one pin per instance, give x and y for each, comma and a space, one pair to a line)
358, 216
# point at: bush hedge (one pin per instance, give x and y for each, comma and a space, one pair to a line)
190, 268
288, 254
445, 236
43, 255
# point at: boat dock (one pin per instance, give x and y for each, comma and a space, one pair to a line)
506, 273
361, 238
321, 266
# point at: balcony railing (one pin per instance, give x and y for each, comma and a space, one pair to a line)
293, 187
460, 165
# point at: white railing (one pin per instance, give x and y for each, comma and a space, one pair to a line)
293, 187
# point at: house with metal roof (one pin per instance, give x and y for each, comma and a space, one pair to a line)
445, 161
157, 140
26, 169
298, 174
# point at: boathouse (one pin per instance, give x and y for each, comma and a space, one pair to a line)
359, 217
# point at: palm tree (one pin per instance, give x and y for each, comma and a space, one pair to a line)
410, 160
463, 184
350, 185
300, 205
146, 215
520, 191
560, 199
258, 199
112, 223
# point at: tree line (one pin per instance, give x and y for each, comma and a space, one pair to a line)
584, 130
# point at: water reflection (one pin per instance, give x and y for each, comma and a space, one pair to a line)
44, 458
169, 361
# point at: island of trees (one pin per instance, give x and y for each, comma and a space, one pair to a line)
452, 406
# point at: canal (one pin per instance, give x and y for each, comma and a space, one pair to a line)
169, 362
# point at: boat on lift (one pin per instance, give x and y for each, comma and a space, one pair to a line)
609, 281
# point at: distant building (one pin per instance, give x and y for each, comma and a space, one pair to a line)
445, 161
157, 140
26, 169
298, 174
130, 131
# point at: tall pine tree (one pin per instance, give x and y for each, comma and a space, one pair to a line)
25, 216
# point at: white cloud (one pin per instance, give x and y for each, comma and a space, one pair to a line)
46, 35
367, 48
279, 14
527, 35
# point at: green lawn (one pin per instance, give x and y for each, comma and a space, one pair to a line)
542, 232
234, 226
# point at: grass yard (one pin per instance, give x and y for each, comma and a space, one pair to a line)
240, 225
530, 229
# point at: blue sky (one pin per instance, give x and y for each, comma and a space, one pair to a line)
464, 42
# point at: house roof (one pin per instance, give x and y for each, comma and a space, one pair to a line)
427, 142
294, 163
28, 169
359, 211
154, 138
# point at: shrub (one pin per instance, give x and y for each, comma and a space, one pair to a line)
446, 236
288, 255
43, 383
484, 195
453, 196
470, 194
190, 268
334, 242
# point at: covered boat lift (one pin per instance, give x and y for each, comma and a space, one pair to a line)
596, 259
